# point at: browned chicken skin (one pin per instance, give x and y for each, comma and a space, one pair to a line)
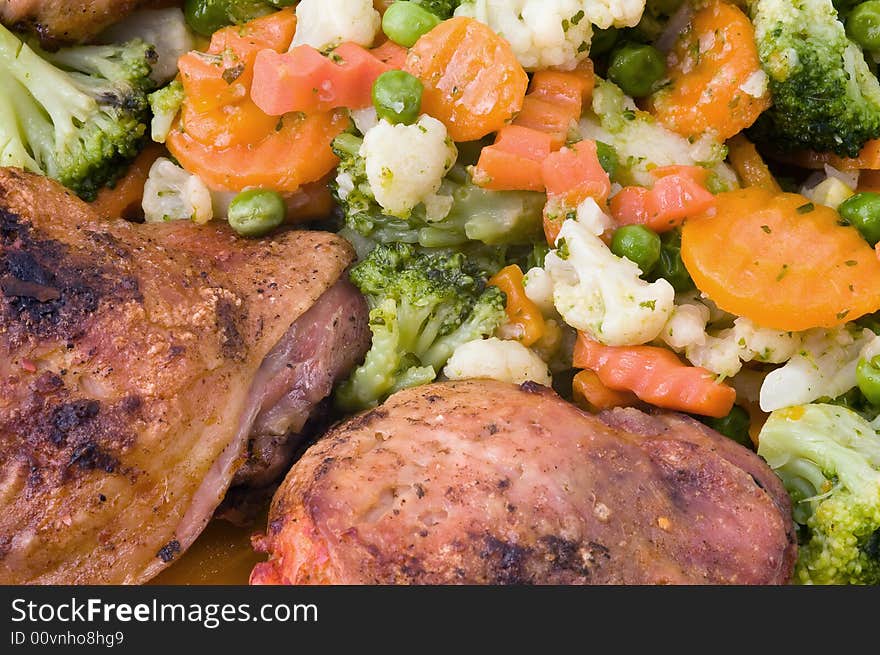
485, 482
57, 22
135, 361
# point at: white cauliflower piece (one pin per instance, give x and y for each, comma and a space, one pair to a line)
542, 33
763, 344
324, 24
405, 164
643, 144
724, 352
507, 361
365, 119
602, 294
686, 327
173, 194
719, 354
824, 367
539, 289
591, 216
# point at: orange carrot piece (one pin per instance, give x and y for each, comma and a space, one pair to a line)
574, 174
472, 80
591, 394
677, 194
514, 161
123, 200
305, 80
712, 60
521, 311
749, 165
657, 376
297, 153
545, 116
781, 261
391, 54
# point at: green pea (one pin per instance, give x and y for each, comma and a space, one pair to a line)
863, 212
397, 96
603, 41
670, 267
638, 244
256, 212
636, 68
863, 25
868, 379
735, 426
404, 22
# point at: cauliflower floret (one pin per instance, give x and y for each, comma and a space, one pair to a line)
172, 194
719, 354
324, 24
686, 327
545, 33
643, 144
824, 367
405, 164
603, 294
539, 289
542, 33
723, 352
365, 119
508, 361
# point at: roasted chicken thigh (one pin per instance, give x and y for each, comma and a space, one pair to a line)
483, 482
142, 368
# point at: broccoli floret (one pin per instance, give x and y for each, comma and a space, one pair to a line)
441, 8
165, 103
828, 457
825, 97
77, 115
423, 304
475, 214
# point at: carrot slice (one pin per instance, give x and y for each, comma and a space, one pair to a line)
521, 311
781, 261
574, 174
123, 200
305, 80
297, 153
591, 394
514, 161
391, 54
679, 192
473, 82
657, 376
711, 63
223, 137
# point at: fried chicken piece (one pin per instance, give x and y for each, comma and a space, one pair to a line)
57, 22
142, 368
483, 482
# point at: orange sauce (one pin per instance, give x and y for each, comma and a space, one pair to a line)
222, 555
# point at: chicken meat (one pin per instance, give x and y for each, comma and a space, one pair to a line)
482, 482
56, 22
143, 368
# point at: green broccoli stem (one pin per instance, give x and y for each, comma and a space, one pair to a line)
66, 105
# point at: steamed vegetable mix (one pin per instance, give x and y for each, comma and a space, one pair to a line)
665, 203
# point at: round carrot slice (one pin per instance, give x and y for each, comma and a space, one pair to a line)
781, 261
473, 82
295, 154
715, 76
